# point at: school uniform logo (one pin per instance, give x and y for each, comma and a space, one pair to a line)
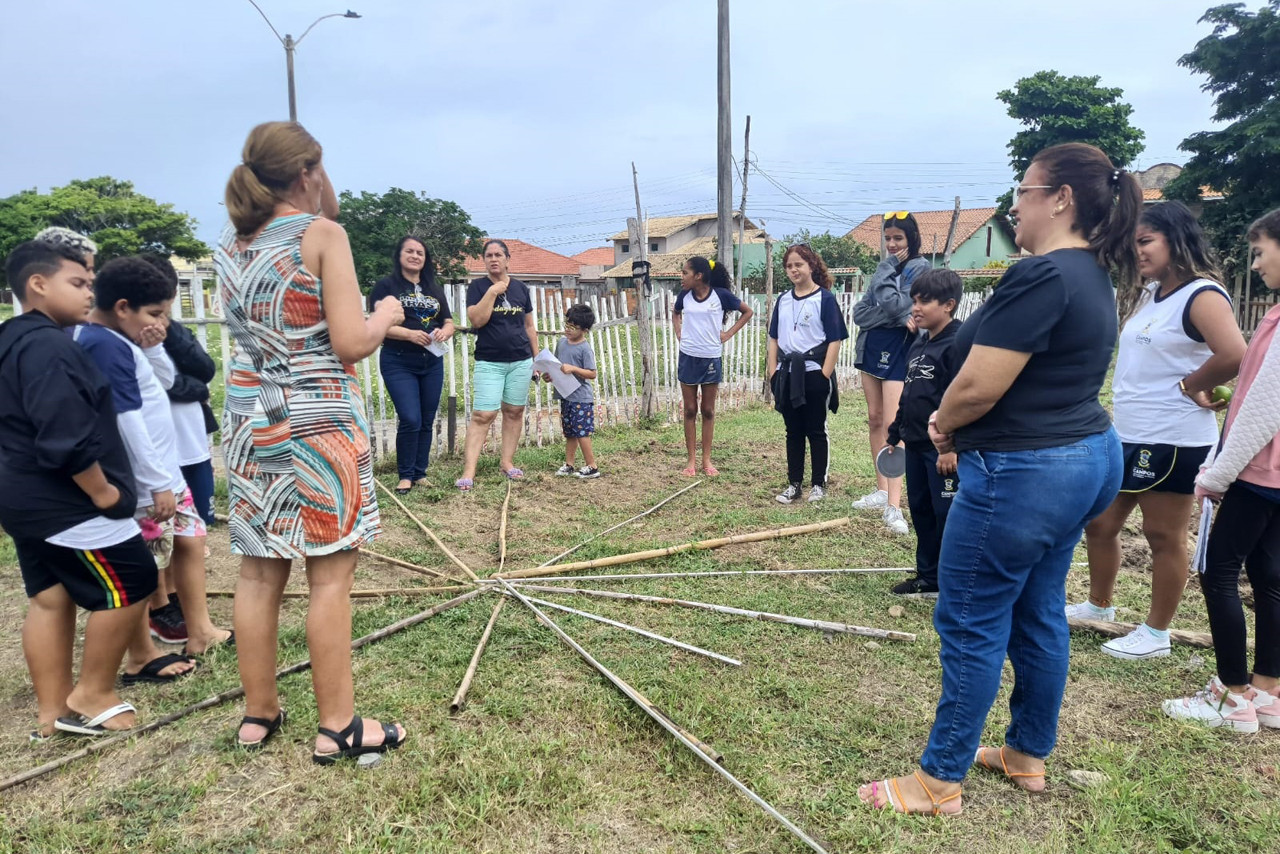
948, 488
885, 356
1143, 470
1142, 337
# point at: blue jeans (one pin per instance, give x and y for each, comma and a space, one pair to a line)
1002, 577
414, 381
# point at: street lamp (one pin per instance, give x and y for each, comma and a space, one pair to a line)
289, 43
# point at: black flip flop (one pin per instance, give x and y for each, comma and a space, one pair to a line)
78, 724
404, 490
151, 672
391, 739
271, 726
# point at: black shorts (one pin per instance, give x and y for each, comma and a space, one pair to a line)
97, 579
885, 356
1162, 468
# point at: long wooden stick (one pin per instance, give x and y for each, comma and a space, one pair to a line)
460, 698
356, 594
403, 564
568, 552
636, 557
232, 694
821, 625
697, 650
453, 557
502, 530
1204, 640
699, 749
719, 573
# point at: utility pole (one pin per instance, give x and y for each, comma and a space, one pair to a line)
637, 231
289, 45
724, 145
768, 301
742, 209
951, 236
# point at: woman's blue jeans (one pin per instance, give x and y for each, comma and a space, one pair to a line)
414, 381
1006, 551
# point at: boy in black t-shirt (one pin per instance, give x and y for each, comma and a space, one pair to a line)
931, 477
69, 498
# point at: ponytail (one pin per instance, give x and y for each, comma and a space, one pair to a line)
716, 275
274, 155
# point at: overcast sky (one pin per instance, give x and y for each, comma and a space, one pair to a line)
528, 114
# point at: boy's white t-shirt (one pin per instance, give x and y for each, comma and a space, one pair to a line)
703, 321
188, 426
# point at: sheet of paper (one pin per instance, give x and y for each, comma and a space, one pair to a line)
547, 363
1200, 561
437, 348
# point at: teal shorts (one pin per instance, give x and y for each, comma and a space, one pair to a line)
496, 383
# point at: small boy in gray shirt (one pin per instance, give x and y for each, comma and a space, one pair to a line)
577, 411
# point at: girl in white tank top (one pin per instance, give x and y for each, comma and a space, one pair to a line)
1179, 343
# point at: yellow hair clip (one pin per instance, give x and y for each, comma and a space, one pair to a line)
712, 264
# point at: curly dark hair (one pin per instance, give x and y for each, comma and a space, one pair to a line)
817, 267
132, 280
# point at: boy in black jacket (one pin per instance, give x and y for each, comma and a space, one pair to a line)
931, 478
68, 498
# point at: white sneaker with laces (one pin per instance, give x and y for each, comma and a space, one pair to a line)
872, 501
893, 520
1215, 707
816, 494
1137, 645
791, 493
1266, 704
565, 470
1086, 610
587, 472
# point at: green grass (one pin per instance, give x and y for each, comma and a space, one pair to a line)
547, 757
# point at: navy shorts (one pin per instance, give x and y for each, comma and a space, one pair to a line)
1162, 468
885, 356
578, 420
695, 370
96, 579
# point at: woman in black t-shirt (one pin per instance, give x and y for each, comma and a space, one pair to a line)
413, 375
1038, 460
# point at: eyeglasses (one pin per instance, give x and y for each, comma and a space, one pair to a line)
797, 246
568, 326
896, 215
1022, 188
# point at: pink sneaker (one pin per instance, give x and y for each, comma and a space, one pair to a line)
1215, 706
1266, 704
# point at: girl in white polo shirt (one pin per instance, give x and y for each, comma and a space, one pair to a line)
1180, 342
701, 310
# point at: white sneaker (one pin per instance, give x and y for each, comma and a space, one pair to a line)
1266, 704
565, 470
872, 501
1086, 610
816, 494
791, 493
1137, 645
587, 472
1215, 707
893, 520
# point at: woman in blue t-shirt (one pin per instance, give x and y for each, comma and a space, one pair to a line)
698, 319
1038, 459
413, 375
885, 330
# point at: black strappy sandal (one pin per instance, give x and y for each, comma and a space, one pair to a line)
272, 727
391, 739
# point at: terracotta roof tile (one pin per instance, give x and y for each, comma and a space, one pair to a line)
665, 226
931, 223
598, 255
530, 260
669, 264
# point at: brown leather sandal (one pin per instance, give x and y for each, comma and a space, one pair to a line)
894, 799
979, 758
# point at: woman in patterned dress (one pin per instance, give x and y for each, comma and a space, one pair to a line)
299, 470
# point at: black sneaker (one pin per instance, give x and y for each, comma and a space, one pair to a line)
916, 588
167, 625
791, 493
587, 472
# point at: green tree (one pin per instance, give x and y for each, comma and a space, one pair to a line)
835, 251
1241, 59
1054, 109
375, 223
119, 219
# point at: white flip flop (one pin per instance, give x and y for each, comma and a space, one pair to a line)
80, 725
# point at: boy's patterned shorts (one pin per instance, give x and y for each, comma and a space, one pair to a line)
578, 420
186, 522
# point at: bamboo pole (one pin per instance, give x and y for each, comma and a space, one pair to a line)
460, 698
636, 557
640, 576
502, 530
568, 552
355, 594
697, 650
699, 749
1204, 640
453, 557
820, 625
232, 694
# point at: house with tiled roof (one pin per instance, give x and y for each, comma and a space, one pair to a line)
593, 262
981, 237
665, 267
531, 264
670, 234
1153, 181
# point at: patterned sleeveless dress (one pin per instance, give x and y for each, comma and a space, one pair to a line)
295, 436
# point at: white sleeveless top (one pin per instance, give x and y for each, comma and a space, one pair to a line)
1156, 352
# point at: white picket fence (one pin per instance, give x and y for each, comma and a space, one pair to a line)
615, 340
